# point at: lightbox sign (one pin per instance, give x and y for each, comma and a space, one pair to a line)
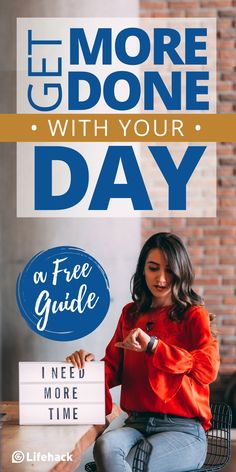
56, 393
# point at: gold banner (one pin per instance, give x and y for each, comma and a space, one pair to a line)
117, 127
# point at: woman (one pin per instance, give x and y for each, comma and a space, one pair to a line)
164, 356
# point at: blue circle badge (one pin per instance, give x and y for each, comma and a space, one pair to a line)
63, 293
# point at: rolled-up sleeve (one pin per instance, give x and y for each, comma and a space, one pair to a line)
169, 363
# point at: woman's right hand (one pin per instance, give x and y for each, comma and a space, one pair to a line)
78, 358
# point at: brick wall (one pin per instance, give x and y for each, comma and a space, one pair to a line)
212, 241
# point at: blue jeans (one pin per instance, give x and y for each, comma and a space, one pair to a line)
177, 445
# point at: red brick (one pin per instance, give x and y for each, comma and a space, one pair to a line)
230, 301
196, 251
226, 192
227, 161
226, 66
226, 181
230, 322
177, 222
226, 54
227, 260
196, 13
228, 44
224, 86
230, 76
216, 3
209, 271
225, 149
214, 251
227, 330
156, 14
183, 5
223, 107
159, 221
219, 291
177, 13
224, 23
230, 231
211, 241
193, 232
229, 13
229, 341
228, 350
203, 222
228, 97
226, 202
227, 212
227, 222
227, 369
229, 281
204, 260
228, 360
225, 171
226, 270
206, 13
227, 241
225, 310
227, 34
212, 301
208, 281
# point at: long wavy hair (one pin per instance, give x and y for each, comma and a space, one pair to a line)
183, 295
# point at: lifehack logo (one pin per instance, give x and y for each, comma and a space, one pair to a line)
20, 456
63, 293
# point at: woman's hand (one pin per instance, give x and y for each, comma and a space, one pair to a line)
78, 358
137, 340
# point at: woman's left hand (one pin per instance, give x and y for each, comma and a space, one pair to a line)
137, 340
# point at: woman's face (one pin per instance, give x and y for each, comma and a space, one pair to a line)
158, 278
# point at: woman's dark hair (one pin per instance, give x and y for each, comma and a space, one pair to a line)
180, 265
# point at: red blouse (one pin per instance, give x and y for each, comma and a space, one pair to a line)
175, 378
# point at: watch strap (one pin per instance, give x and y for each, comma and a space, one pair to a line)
151, 344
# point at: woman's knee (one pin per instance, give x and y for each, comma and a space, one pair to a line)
100, 446
104, 445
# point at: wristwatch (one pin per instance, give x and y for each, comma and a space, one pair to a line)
151, 344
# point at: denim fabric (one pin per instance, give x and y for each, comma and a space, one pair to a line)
177, 445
